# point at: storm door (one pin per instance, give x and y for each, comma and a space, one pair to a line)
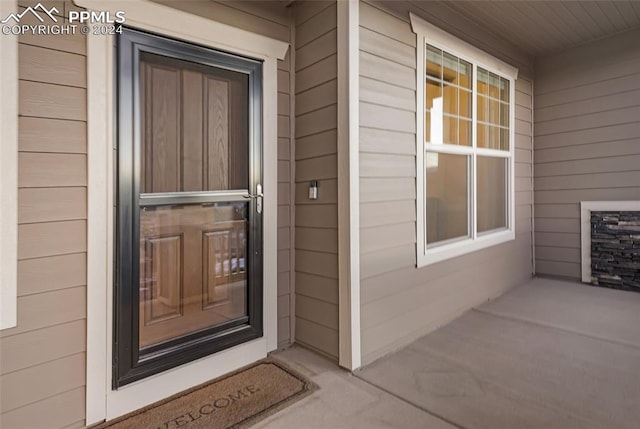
189, 211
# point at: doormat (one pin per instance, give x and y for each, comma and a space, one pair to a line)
237, 400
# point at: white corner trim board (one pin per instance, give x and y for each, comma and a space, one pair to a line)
586, 207
101, 401
348, 180
8, 172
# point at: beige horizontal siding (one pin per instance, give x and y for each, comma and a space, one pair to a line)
316, 235
587, 131
269, 18
51, 273
400, 302
587, 128
50, 412
46, 380
51, 135
57, 204
23, 351
42, 359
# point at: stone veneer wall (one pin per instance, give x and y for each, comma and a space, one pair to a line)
615, 249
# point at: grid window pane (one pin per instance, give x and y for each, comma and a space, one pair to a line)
434, 62
483, 81
450, 102
504, 89
447, 98
464, 109
504, 139
494, 111
450, 129
464, 130
450, 67
483, 135
483, 108
434, 94
465, 71
504, 115
494, 137
494, 86
491, 180
447, 197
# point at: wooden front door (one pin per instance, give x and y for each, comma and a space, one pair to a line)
190, 197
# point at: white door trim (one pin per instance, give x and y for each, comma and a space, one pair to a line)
101, 401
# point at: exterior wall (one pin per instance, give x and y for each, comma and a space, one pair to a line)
272, 19
400, 302
42, 369
316, 221
42, 360
587, 130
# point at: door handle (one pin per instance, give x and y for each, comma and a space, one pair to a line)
258, 196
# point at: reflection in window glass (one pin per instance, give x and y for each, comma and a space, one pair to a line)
447, 197
493, 111
491, 180
434, 92
448, 98
450, 103
465, 103
434, 62
464, 76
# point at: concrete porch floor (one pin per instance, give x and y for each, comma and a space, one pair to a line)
548, 354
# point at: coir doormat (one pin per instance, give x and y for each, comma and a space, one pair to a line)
233, 401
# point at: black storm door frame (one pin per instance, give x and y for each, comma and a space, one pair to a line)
130, 363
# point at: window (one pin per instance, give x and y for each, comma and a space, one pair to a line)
465, 147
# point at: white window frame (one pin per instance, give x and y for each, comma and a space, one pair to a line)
8, 172
430, 34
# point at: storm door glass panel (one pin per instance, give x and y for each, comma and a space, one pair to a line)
193, 266
194, 138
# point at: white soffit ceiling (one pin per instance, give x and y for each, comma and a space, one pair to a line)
544, 27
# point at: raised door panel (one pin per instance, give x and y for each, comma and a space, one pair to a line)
217, 138
194, 127
162, 281
192, 130
161, 153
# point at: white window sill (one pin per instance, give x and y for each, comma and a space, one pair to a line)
463, 247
